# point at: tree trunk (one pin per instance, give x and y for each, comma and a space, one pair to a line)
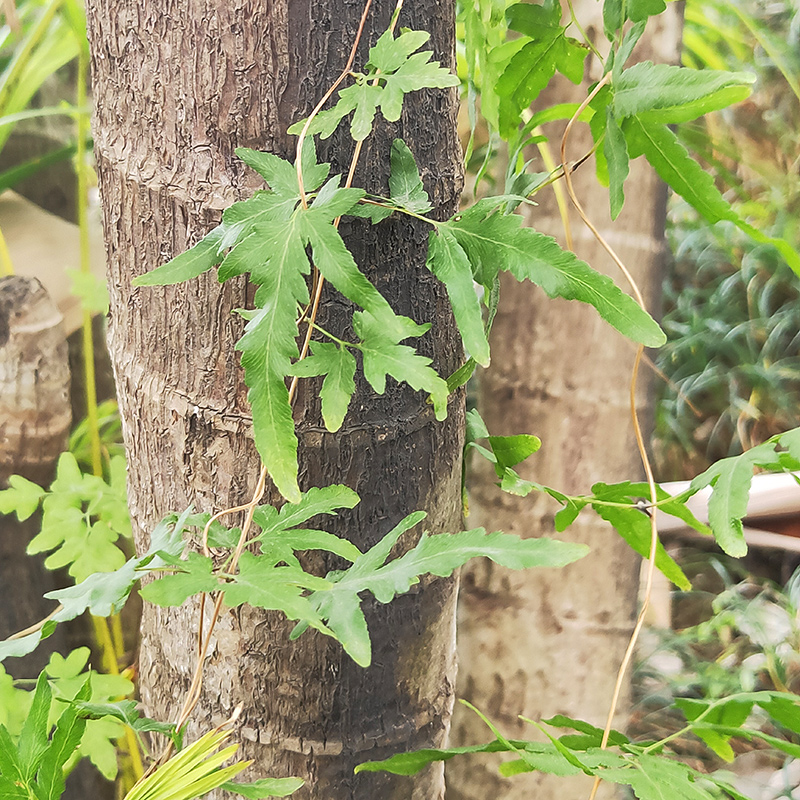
552, 643
178, 85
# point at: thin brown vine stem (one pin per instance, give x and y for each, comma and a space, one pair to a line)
318, 107
640, 443
651, 568
572, 196
37, 626
653, 367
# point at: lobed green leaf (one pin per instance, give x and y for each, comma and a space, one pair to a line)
677, 168
679, 93
495, 242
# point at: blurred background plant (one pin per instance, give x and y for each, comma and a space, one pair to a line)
737, 633
733, 356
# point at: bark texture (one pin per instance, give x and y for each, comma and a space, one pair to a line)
550, 642
178, 85
34, 428
34, 381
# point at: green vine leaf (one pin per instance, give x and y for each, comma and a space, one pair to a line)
634, 526
338, 366
440, 555
449, 263
731, 479
394, 69
546, 49
670, 94
318, 500
494, 241
260, 583
677, 168
198, 259
22, 497
239, 219
443, 553
269, 344
83, 518
504, 452
280, 539
384, 355
415, 761
127, 712
104, 593
269, 237
194, 576
615, 12
616, 152
405, 184
730, 714
658, 778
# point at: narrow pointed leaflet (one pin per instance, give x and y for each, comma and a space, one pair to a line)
494, 241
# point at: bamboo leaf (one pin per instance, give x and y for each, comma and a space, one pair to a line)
263, 788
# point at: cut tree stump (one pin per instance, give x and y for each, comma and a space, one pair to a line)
35, 419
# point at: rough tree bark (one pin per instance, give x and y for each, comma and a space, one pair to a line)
178, 85
551, 643
34, 427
